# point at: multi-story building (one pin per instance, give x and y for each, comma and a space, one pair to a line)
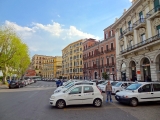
50, 66
57, 65
72, 60
99, 56
138, 41
37, 63
59, 73
47, 68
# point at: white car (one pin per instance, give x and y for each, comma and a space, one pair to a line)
120, 86
76, 95
102, 87
71, 84
140, 92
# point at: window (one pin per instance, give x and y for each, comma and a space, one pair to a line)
146, 88
111, 46
112, 60
156, 87
158, 29
112, 69
129, 25
106, 47
143, 37
88, 89
107, 61
106, 35
122, 47
141, 15
111, 33
121, 33
76, 90
101, 49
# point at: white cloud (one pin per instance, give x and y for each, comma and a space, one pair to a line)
48, 39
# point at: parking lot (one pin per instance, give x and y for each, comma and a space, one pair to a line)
32, 103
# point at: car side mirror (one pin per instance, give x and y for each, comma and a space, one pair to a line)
140, 90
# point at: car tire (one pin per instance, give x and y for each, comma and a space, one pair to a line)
134, 102
60, 104
9, 87
97, 102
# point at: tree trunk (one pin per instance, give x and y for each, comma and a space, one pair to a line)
4, 71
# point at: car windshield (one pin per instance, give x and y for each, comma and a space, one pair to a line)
68, 89
69, 85
133, 86
104, 83
118, 84
114, 83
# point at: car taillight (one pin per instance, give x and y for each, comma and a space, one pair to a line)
99, 90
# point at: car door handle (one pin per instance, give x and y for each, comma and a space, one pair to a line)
92, 93
79, 95
152, 93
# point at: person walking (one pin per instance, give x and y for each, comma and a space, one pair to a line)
108, 91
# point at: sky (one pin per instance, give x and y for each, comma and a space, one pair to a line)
48, 26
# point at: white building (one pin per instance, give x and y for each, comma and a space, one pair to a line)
138, 41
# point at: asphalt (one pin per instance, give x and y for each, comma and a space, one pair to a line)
32, 103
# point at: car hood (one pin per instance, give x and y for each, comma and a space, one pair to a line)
124, 92
58, 94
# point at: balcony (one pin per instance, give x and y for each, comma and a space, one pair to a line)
139, 23
154, 13
111, 64
148, 42
121, 36
128, 31
109, 50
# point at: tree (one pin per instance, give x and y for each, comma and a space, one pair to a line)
14, 57
105, 75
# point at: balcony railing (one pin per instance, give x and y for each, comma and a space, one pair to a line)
139, 22
140, 44
128, 30
109, 50
153, 11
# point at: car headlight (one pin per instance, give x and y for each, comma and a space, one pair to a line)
52, 97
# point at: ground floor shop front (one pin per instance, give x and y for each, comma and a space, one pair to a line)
143, 67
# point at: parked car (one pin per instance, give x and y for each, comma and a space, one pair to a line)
71, 84
76, 95
103, 85
98, 81
120, 86
15, 84
139, 92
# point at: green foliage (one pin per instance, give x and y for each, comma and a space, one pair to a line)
14, 55
105, 76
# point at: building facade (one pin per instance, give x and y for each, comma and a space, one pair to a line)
138, 41
50, 66
47, 68
72, 60
99, 56
36, 63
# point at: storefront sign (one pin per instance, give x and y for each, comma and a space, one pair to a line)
138, 72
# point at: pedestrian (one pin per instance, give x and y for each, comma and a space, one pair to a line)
108, 91
57, 83
135, 79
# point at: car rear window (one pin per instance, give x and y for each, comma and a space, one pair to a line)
156, 87
88, 89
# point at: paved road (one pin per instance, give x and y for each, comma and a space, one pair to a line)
32, 103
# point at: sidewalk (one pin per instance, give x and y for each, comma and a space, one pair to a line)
3, 86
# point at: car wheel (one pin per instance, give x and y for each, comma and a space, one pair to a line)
97, 102
134, 102
9, 87
60, 104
